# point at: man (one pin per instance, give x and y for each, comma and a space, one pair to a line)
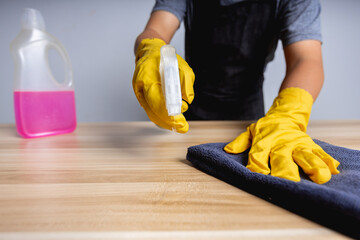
228, 45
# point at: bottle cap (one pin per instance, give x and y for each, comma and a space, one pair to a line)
32, 18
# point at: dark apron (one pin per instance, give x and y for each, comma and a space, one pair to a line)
228, 48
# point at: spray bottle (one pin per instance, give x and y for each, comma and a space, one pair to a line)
170, 80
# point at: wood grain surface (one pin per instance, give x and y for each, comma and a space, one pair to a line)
131, 180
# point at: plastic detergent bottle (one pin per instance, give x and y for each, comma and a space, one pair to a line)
43, 105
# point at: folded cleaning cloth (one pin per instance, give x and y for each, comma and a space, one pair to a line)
335, 204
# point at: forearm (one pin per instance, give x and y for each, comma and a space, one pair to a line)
307, 74
304, 67
162, 25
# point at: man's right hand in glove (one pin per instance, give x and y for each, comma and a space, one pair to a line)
148, 89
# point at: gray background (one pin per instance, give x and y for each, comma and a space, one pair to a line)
99, 37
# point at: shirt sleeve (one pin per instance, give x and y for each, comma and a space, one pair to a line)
299, 20
176, 7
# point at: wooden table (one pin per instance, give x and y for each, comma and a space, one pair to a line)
131, 180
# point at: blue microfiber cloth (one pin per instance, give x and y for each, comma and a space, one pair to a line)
335, 204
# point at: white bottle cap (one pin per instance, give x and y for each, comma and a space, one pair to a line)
32, 18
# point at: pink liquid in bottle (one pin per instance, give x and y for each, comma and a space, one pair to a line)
44, 113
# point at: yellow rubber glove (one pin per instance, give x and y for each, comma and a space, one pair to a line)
147, 86
281, 136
